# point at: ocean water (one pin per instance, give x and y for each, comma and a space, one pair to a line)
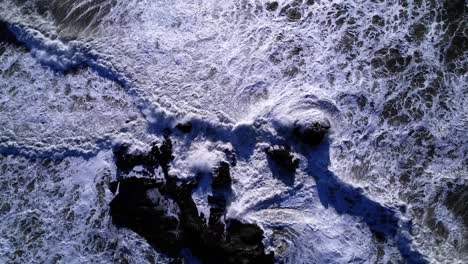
78, 77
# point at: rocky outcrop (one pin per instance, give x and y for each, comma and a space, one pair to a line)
456, 201
222, 177
164, 213
283, 157
311, 132
158, 156
389, 61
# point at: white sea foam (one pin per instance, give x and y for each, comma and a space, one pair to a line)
240, 74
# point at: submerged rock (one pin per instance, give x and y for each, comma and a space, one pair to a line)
311, 132
158, 156
149, 217
283, 157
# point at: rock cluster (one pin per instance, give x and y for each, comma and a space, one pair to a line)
164, 213
158, 156
283, 157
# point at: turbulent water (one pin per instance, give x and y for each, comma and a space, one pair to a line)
78, 77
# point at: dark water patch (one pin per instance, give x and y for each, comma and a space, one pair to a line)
388, 61
164, 213
457, 201
283, 164
75, 17
454, 43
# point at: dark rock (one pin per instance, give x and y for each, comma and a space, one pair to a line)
272, 6
222, 177
113, 186
216, 224
244, 239
217, 201
283, 157
165, 155
231, 156
311, 132
158, 156
143, 204
184, 127
133, 209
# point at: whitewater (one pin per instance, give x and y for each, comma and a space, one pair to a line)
80, 77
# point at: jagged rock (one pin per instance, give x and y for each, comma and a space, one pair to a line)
184, 127
143, 205
231, 156
222, 177
283, 157
311, 132
158, 156
132, 208
218, 201
125, 161
244, 241
165, 155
